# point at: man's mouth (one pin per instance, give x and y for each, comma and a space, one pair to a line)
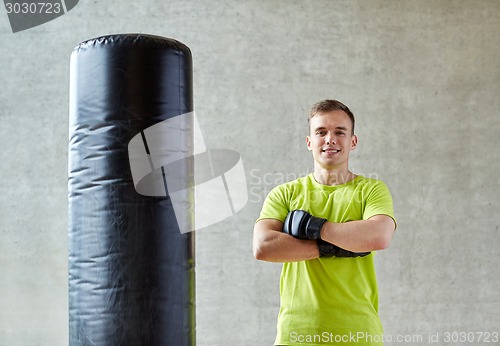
330, 150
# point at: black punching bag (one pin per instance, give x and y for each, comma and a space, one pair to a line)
131, 268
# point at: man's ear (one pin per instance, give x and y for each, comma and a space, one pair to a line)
354, 142
308, 143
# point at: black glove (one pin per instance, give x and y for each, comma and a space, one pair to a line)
328, 250
300, 224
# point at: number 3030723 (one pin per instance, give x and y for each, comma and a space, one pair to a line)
471, 337
32, 8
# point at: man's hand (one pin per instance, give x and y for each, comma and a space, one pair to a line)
300, 224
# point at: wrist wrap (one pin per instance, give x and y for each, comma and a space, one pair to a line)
329, 250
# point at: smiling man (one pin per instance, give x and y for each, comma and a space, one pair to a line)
324, 228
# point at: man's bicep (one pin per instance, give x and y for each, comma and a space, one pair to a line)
264, 231
275, 206
384, 226
385, 221
379, 202
264, 225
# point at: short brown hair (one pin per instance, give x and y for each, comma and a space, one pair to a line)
328, 106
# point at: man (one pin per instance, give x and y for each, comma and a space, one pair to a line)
324, 227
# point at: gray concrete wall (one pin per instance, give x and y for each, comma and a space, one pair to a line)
423, 78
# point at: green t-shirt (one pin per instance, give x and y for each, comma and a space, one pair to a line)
329, 301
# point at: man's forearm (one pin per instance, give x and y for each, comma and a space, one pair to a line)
274, 246
361, 235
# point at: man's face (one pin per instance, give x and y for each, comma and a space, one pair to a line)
330, 139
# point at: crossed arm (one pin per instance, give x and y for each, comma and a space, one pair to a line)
270, 244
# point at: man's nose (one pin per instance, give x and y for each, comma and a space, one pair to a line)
330, 138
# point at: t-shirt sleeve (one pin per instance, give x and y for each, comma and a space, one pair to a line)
379, 202
275, 205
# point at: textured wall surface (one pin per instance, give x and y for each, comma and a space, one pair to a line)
423, 79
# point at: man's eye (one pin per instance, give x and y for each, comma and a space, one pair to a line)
340, 133
321, 133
